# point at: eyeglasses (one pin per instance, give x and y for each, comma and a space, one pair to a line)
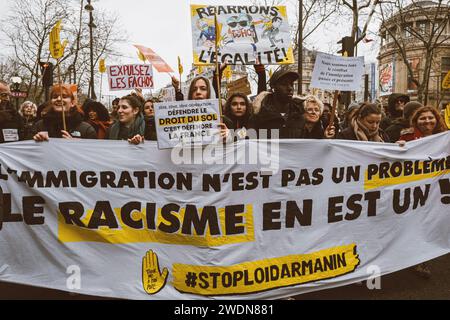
312, 110
241, 23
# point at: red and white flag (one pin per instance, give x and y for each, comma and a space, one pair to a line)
154, 59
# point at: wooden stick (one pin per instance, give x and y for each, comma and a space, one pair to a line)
333, 109
217, 64
61, 93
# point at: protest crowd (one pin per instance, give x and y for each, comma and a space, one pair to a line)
275, 108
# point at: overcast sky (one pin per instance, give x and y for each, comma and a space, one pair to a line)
165, 26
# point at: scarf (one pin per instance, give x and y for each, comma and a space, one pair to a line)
363, 133
138, 127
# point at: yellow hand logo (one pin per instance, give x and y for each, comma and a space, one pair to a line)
56, 47
152, 280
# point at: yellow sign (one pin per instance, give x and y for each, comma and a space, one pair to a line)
240, 85
102, 66
227, 73
447, 116
267, 274
446, 81
55, 45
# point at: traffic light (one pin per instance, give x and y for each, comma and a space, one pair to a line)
348, 45
47, 73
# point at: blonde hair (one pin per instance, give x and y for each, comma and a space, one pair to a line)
315, 100
26, 104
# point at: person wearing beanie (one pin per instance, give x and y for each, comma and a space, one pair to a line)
51, 125
279, 109
402, 126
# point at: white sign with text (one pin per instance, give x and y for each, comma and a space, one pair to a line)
337, 73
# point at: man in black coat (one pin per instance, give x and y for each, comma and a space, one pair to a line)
11, 125
279, 109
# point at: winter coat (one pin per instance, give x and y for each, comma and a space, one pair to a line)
28, 127
150, 128
53, 124
266, 116
393, 131
10, 123
411, 134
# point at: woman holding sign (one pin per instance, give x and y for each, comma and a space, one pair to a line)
51, 125
131, 123
200, 89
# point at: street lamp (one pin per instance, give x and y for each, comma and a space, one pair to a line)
91, 25
16, 81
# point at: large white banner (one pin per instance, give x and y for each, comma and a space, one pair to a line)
244, 221
245, 35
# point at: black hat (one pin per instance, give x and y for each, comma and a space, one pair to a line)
282, 73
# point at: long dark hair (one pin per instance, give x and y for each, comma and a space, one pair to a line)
194, 81
241, 121
99, 108
248, 106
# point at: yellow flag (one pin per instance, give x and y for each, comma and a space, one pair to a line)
55, 45
227, 73
218, 29
180, 66
141, 56
102, 66
447, 116
446, 81
200, 69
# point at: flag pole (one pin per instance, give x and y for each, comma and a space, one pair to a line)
333, 109
61, 93
216, 26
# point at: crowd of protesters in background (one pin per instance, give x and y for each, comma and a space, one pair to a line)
132, 118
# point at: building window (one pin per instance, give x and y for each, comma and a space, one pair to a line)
423, 27
407, 30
